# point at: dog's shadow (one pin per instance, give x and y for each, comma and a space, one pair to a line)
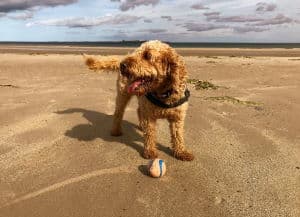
99, 127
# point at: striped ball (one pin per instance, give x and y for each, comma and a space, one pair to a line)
157, 168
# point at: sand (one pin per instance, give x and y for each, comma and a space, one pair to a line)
58, 159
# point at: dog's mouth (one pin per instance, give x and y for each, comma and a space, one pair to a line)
139, 86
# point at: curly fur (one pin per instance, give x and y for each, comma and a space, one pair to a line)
159, 68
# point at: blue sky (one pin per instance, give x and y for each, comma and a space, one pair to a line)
168, 20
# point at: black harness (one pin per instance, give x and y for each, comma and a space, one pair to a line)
153, 98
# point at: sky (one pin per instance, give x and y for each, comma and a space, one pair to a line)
167, 20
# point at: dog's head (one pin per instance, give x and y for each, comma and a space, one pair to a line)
154, 65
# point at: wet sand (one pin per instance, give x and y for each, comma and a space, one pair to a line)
58, 159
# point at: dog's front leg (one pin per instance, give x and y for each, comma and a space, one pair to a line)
148, 127
121, 103
176, 128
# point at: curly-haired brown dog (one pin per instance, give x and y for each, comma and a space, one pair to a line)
153, 68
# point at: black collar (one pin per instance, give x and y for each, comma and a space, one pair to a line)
153, 98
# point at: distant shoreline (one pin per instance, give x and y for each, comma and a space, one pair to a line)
75, 49
173, 44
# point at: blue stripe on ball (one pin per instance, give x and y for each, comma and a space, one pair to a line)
160, 167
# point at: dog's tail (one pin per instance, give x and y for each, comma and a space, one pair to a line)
102, 63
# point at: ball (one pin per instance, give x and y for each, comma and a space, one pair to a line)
157, 168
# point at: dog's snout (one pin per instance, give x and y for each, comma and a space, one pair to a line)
123, 67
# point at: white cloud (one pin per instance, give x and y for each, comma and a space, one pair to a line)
278, 20
265, 7
131, 4
21, 15
199, 6
169, 18
87, 22
202, 27
244, 29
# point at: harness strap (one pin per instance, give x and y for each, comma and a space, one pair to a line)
152, 98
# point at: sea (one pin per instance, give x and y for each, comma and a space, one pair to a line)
173, 44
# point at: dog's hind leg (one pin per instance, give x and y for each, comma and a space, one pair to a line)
121, 103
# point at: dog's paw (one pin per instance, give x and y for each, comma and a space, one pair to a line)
150, 154
183, 155
114, 132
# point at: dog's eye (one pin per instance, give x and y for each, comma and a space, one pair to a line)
147, 55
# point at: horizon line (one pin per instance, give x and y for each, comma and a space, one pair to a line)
141, 41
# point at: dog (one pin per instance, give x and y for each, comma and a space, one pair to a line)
157, 75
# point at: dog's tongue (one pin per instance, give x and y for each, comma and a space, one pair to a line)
133, 86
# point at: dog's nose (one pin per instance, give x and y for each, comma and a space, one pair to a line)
123, 67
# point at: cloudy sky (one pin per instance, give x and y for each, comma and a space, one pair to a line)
168, 20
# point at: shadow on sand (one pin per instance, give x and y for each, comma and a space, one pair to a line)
99, 127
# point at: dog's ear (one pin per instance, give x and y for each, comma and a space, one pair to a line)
175, 67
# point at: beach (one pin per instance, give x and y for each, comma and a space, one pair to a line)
57, 157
